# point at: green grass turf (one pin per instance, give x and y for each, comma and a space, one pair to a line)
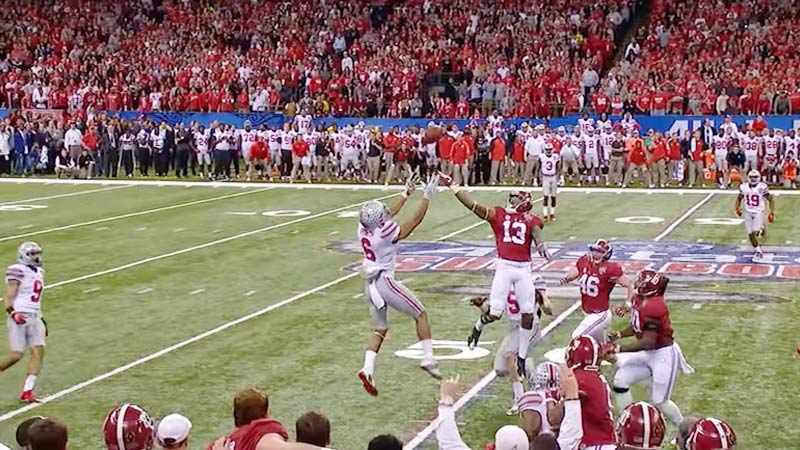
305, 354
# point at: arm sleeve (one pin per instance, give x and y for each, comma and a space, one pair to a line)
447, 434
571, 427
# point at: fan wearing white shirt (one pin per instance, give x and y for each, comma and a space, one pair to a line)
73, 141
533, 149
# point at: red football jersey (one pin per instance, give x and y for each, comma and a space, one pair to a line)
598, 425
596, 281
513, 234
247, 437
651, 310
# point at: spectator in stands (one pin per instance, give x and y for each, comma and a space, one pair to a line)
48, 434
73, 140
172, 432
314, 429
6, 144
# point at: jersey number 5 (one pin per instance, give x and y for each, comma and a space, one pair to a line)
514, 232
590, 285
37, 291
368, 253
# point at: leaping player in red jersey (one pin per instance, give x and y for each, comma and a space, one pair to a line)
655, 354
583, 356
597, 278
516, 230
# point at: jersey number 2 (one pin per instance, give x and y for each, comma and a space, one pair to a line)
37, 291
514, 232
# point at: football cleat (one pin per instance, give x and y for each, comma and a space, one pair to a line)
28, 397
369, 384
472, 340
432, 368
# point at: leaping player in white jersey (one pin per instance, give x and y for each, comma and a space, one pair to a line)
505, 361
379, 236
755, 194
23, 303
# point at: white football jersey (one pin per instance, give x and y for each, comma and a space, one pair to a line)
311, 138
362, 139
720, 143
222, 139
249, 137
158, 137
495, 122
274, 138
350, 144
549, 164
755, 197
750, 146
31, 284
303, 122
201, 139
287, 138
790, 145
379, 246
771, 146
539, 402
590, 144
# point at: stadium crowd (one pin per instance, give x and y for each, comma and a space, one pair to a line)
592, 152
130, 427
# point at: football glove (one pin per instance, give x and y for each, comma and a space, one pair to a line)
431, 186
771, 217
18, 318
411, 184
447, 181
739, 212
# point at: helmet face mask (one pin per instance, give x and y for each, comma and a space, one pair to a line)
650, 283
754, 177
30, 254
546, 376
600, 251
519, 202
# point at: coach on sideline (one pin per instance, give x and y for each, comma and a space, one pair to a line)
510, 436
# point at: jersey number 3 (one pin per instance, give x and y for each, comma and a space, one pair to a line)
514, 232
37, 291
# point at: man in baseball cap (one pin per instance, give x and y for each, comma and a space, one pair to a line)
173, 432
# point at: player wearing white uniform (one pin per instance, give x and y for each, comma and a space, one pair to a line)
201, 139
505, 361
287, 139
495, 121
274, 145
591, 155
755, 194
23, 304
585, 122
379, 236
311, 137
303, 123
550, 166
771, 153
351, 153
247, 137
751, 145
607, 138
539, 407
721, 143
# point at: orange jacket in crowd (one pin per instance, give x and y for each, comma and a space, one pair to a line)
498, 149
790, 169
636, 151
460, 151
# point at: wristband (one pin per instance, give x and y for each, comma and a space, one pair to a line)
447, 401
572, 399
9, 310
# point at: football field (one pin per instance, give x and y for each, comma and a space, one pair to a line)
174, 296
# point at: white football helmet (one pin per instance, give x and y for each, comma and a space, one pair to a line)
754, 177
29, 254
373, 215
546, 376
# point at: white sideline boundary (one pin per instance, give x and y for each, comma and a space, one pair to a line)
199, 337
210, 244
375, 187
426, 432
50, 197
133, 214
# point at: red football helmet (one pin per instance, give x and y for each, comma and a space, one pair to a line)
650, 283
583, 352
601, 251
128, 427
640, 427
519, 202
711, 434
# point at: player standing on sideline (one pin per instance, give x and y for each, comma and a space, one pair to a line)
597, 278
505, 361
26, 328
591, 155
655, 355
247, 137
379, 236
771, 154
516, 230
550, 168
606, 145
751, 144
202, 136
721, 143
583, 356
755, 193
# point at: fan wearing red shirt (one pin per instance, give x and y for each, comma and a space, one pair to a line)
255, 430
445, 153
601, 103
695, 159
300, 159
390, 144
518, 160
644, 103
659, 106
460, 161
658, 160
498, 157
674, 167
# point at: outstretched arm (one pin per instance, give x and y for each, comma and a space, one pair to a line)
407, 227
538, 240
398, 205
570, 276
479, 210
411, 184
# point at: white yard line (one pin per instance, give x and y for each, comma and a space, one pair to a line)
420, 437
133, 214
199, 337
197, 291
367, 187
208, 244
122, 185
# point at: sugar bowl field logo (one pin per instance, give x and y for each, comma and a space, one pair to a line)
694, 268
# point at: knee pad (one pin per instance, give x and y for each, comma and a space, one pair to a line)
621, 390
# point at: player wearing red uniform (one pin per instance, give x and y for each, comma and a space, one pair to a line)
655, 354
711, 434
583, 356
597, 278
640, 427
255, 430
516, 230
